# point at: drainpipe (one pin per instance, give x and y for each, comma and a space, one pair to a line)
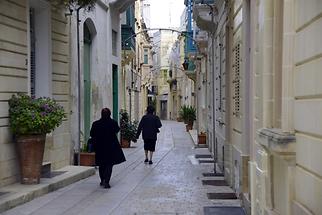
130, 94
79, 84
213, 78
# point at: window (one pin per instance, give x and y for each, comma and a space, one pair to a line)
32, 53
114, 43
146, 56
220, 75
40, 51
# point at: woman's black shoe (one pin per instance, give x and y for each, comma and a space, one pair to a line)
107, 185
146, 160
150, 162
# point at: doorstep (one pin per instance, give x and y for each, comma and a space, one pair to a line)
17, 194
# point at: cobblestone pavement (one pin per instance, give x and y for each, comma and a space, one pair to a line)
172, 185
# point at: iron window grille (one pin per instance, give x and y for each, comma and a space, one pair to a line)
236, 81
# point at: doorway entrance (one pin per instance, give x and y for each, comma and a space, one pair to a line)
87, 81
164, 110
115, 92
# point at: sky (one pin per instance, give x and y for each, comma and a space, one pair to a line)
161, 11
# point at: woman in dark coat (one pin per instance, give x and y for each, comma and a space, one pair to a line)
107, 149
149, 125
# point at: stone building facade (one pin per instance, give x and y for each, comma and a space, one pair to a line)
100, 66
38, 56
266, 136
34, 59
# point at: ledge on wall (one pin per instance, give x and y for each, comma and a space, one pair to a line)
278, 142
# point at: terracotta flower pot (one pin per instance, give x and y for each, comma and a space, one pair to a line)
31, 152
125, 143
202, 138
189, 126
87, 159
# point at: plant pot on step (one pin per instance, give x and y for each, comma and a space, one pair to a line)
31, 152
125, 143
202, 138
87, 158
189, 126
30, 119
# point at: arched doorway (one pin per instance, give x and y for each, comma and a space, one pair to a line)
89, 33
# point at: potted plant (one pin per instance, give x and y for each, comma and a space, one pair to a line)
128, 129
30, 120
202, 137
182, 113
188, 114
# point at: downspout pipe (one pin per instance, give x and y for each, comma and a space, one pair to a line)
213, 92
213, 78
79, 84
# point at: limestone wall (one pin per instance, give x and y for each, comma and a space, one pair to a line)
308, 104
58, 145
14, 78
236, 44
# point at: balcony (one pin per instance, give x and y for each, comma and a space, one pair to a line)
202, 10
201, 37
121, 5
128, 42
190, 69
189, 46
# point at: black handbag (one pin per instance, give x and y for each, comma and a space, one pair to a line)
90, 145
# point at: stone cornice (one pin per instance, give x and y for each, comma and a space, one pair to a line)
278, 143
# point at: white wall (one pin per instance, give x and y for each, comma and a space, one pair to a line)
101, 63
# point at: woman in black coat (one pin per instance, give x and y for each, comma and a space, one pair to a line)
149, 125
107, 149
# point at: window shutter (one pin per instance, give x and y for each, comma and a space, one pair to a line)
32, 53
236, 81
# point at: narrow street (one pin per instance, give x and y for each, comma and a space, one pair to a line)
172, 185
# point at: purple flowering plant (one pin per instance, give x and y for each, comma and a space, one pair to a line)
34, 115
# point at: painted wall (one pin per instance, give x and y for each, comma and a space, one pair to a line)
101, 22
